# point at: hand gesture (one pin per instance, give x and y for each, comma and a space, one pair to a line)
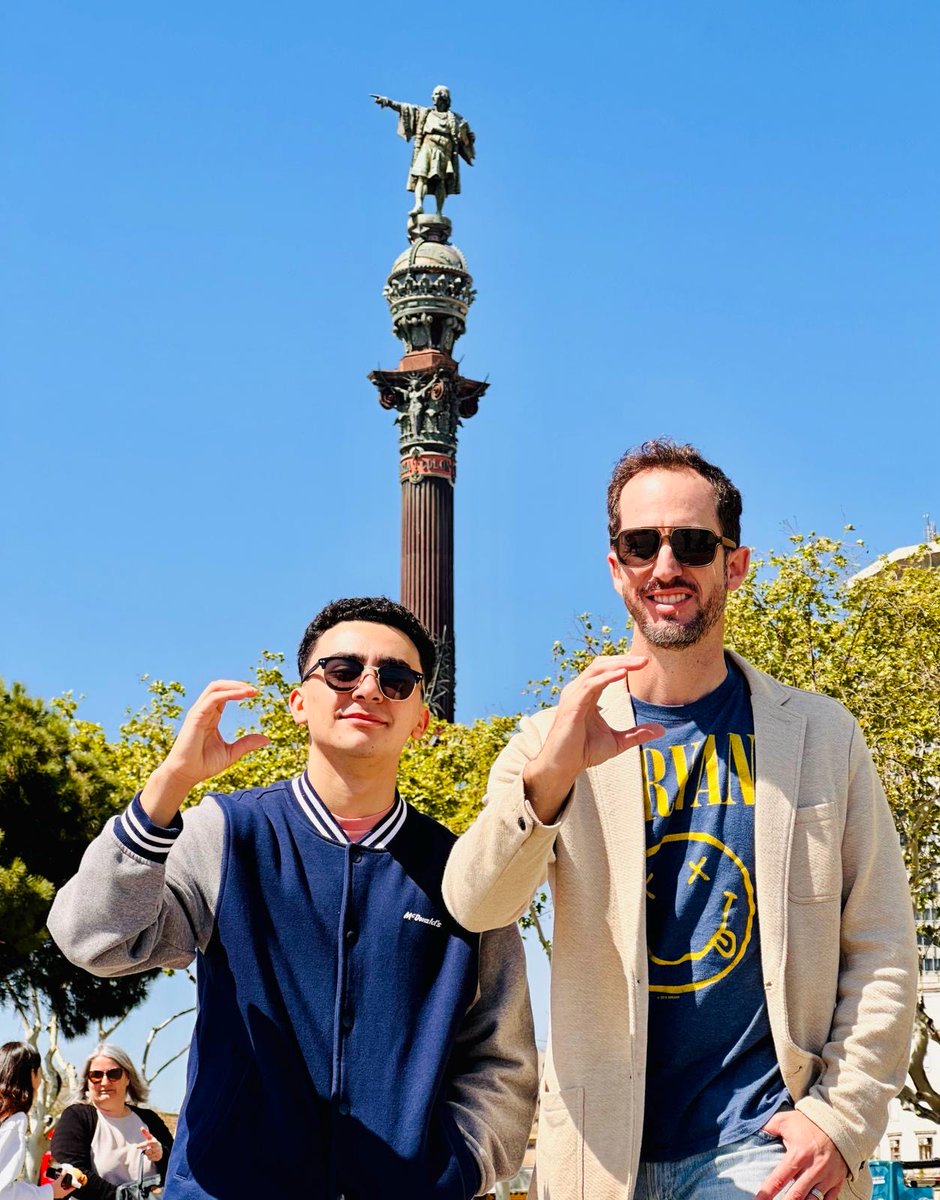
812, 1162
150, 1147
59, 1189
580, 737
381, 101
199, 752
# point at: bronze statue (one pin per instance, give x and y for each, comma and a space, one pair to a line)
441, 138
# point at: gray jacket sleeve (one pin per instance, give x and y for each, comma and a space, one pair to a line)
494, 1080
124, 912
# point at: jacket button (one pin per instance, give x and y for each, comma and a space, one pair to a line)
521, 824
343, 1108
347, 1022
350, 937
356, 856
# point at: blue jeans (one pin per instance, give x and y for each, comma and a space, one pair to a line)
732, 1172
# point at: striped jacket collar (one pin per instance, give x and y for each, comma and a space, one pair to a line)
327, 826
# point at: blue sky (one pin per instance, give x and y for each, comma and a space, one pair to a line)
717, 222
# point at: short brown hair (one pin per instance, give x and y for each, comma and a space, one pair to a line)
662, 454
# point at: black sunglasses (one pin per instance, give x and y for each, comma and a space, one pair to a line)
342, 672
691, 547
113, 1073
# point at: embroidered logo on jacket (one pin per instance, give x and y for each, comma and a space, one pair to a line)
413, 916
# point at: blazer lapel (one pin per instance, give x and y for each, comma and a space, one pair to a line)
618, 790
779, 734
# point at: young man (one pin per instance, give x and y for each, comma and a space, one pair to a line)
733, 967
351, 1037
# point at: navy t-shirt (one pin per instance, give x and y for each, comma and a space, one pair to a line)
712, 1074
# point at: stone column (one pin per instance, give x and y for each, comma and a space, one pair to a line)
429, 292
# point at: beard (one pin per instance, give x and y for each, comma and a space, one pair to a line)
669, 633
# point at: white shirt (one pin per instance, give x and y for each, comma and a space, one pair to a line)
12, 1157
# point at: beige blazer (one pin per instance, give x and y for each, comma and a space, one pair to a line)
837, 934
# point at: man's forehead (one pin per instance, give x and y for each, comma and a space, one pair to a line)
668, 497
367, 637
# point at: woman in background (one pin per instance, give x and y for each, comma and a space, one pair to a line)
20, 1076
107, 1130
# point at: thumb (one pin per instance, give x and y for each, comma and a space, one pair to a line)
637, 735
773, 1125
245, 744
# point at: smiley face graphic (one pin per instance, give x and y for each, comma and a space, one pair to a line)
696, 884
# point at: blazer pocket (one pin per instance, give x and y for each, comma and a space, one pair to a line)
816, 855
559, 1151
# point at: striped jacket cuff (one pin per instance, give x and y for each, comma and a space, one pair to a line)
135, 830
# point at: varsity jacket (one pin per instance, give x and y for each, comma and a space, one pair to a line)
837, 933
341, 1011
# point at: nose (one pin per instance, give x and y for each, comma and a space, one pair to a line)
666, 565
367, 684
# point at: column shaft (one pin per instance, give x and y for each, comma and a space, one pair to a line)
427, 570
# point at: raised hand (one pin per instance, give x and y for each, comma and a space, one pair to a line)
199, 752
580, 737
150, 1146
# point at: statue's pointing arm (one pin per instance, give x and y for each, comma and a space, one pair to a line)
408, 115
384, 102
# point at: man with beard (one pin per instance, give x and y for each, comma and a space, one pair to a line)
733, 966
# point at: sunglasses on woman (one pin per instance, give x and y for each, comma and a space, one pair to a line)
113, 1073
691, 547
342, 673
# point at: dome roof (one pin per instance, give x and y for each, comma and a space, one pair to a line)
429, 256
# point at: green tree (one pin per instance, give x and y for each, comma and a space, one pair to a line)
871, 641
55, 793
443, 774
54, 796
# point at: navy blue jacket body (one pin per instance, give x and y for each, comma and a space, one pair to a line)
329, 1000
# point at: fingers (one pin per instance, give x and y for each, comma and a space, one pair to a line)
603, 671
214, 697
811, 1161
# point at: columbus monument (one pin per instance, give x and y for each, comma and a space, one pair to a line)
429, 292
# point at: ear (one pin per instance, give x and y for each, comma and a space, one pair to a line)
737, 566
295, 703
616, 572
421, 725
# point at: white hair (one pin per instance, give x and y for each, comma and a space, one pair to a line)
137, 1089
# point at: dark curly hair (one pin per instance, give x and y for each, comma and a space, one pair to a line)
18, 1061
381, 611
664, 454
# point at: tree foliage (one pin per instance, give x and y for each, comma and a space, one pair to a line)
443, 774
55, 793
873, 643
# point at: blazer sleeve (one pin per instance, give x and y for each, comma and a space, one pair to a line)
497, 865
71, 1143
493, 1080
865, 1058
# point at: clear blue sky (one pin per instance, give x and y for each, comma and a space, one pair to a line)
717, 222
